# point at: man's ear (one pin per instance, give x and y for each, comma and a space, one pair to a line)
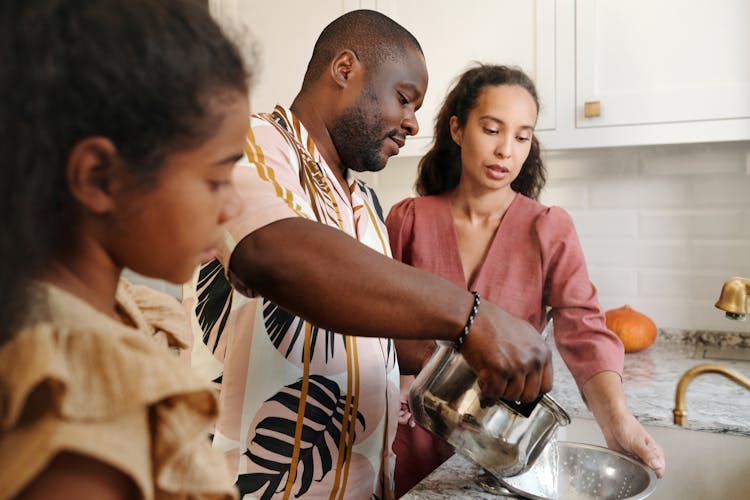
344, 66
91, 171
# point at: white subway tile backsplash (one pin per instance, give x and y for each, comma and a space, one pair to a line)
591, 163
657, 283
633, 192
697, 159
609, 281
706, 286
722, 191
731, 256
692, 223
681, 284
665, 313
565, 194
621, 223
636, 253
664, 239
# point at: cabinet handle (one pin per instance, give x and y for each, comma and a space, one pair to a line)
592, 109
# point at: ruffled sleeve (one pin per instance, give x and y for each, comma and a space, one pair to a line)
581, 335
400, 224
164, 315
113, 395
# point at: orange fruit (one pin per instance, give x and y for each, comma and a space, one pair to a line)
635, 329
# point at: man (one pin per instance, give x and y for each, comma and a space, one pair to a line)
308, 371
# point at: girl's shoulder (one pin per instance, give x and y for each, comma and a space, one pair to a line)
73, 380
92, 364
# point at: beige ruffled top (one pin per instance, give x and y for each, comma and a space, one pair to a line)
75, 380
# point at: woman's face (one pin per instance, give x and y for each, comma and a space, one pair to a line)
496, 139
167, 229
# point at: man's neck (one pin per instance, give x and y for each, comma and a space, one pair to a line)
317, 128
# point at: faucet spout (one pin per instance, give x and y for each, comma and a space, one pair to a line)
680, 412
734, 298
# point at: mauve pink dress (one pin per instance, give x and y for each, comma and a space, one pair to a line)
534, 261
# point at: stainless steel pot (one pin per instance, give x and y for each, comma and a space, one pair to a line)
504, 437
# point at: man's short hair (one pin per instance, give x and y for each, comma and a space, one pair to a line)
374, 37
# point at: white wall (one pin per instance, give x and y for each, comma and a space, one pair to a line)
662, 227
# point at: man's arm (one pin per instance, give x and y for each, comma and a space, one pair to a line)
335, 282
413, 354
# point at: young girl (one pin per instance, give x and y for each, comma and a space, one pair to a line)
120, 123
477, 224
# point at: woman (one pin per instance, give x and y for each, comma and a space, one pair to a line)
477, 224
120, 126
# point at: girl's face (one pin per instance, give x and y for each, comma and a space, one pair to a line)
496, 139
167, 229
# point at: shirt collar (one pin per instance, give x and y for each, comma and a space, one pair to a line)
292, 124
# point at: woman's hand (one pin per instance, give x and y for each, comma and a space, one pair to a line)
625, 433
622, 431
404, 414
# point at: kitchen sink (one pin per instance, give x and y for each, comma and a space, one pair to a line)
723, 353
700, 465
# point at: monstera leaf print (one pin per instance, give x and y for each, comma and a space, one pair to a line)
280, 323
214, 302
272, 446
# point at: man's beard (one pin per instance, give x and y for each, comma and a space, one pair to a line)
358, 136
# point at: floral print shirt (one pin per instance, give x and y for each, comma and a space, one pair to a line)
304, 411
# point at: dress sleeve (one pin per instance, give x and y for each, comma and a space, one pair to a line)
581, 335
400, 224
116, 398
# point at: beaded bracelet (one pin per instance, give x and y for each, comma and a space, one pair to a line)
472, 316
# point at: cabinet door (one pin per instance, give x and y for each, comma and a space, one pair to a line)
453, 35
680, 69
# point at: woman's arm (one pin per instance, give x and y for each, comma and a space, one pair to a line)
621, 430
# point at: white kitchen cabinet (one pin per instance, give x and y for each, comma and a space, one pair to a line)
662, 72
453, 35
670, 71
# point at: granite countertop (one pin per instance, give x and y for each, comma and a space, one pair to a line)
713, 403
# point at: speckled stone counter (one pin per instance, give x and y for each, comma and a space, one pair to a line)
714, 403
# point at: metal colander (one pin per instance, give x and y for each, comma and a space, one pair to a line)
577, 471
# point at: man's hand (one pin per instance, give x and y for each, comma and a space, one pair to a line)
508, 355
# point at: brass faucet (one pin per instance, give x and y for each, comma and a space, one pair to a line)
680, 413
734, 298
